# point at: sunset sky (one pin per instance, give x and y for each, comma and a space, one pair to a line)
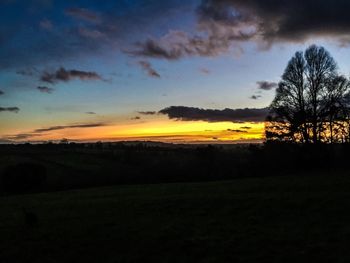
173, 71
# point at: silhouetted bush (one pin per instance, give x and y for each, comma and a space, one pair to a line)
23, 178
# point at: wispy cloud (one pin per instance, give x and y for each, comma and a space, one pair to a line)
83, 14
91, 33
147, 67
21, 136
9, 109
66, 75
266, 85
147, 112
44, 131
205, 71
55, 128
255, 97
179, 44
44, 89
46, 24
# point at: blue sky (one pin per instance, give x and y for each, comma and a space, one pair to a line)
122, 57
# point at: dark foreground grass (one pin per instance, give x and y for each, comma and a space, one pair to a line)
275, 219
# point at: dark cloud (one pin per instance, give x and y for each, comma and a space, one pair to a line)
222, 25
147, 112
213, 37
90, 112
266, 85
245, 127
9, 109
255, 97
66, 75
55, 128
45, 89
183, 113
1, 92
277, 20
147, 67
179, 44
84, 14
237, 131
136, 118
172, 46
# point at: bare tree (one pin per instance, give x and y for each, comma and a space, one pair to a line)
309, 105
288, 110
334, 107
320, 70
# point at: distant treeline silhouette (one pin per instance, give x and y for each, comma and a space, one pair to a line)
51, 167
312, 102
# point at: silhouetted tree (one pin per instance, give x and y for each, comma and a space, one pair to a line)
345, 118
310, 103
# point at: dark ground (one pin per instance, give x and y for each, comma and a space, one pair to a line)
275, 219
288, 213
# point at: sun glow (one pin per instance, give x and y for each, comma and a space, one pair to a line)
161, 130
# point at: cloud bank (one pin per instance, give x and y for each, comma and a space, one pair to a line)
183, 113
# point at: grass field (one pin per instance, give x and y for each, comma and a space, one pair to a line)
274, 219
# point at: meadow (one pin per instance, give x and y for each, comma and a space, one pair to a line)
272, 219
141, 203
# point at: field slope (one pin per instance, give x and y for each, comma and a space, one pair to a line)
275, 219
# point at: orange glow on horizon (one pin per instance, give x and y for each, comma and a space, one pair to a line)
161, 130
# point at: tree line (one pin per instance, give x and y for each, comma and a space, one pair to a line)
312, 101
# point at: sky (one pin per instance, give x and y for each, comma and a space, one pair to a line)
174, 71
